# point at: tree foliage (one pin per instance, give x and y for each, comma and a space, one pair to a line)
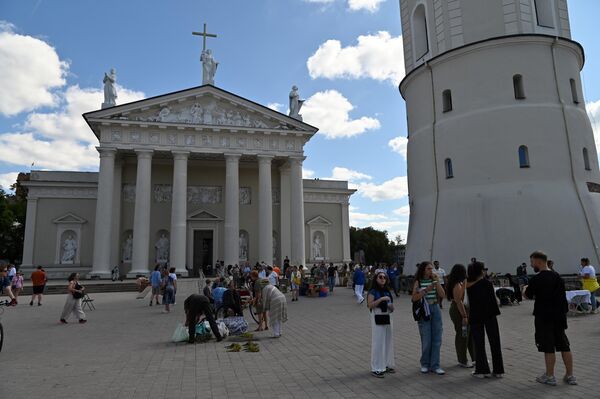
375, 244
12, 223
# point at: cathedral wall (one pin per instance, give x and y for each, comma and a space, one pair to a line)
333, 213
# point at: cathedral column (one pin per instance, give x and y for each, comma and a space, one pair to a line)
103, 222
232, 209
29, 238
346, 256
285, 217
265, 210
141, 215
177, 250
297, 212
115, 258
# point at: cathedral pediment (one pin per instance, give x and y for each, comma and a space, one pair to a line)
320, 221
206, 107
203, 215
70, 218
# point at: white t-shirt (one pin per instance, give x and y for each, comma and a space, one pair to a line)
441, 273
589, 269
173, 276
273, 278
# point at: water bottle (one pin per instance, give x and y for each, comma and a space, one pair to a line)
465, 331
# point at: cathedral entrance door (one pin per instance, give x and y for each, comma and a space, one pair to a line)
203, 252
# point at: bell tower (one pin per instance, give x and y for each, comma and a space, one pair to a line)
501, 153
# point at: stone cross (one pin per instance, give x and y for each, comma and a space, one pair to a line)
204, 36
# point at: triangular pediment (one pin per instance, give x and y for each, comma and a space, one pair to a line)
320, 221
69, 218
203, 215
205, 107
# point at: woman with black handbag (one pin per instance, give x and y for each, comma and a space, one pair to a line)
75, 292
380, 303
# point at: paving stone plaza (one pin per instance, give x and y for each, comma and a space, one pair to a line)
124, 351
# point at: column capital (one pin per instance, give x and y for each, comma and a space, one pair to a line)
230, 157
181, 155
264, 158
143, 153
107, 152
296, 160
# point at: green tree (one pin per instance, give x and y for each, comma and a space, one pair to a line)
12, 221
375, 244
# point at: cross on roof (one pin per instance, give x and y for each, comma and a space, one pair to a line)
204, 36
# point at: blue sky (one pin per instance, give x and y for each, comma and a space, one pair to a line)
53, 55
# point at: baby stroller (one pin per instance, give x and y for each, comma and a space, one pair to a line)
506, 296
579, 305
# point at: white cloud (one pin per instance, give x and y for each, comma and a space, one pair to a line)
368, 5
358, 216
396, 188
339, 173
57, 139
378, 57
7, 180
402, 211
399, 145
275, 107
30, 69
67, 122
307, 173
329, 111
593, 110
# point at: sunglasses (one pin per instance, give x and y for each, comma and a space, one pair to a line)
381, 276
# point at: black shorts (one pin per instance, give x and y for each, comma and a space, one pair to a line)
550, 336
38, 289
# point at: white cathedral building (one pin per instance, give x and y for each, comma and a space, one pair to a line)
501, 153
187, 178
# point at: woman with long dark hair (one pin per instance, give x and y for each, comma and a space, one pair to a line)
482, 319
427, 286
75, 292
459, 313
380, 303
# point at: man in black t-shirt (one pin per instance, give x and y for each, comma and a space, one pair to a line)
550, 311
331, 270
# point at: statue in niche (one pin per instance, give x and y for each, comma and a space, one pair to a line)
243, 247
110, 91
209, 67
69, 249
295, 103
127, 248
317, 245
162, 249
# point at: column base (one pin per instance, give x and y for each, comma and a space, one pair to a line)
182, 272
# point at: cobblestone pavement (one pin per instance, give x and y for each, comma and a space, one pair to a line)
124, 351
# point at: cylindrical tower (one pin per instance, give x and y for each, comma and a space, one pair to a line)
501, 153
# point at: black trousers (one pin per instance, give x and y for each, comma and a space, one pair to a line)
478, 331
195, 306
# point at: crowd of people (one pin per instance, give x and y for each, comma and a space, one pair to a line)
473, 311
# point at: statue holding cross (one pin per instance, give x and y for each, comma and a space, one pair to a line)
209, 65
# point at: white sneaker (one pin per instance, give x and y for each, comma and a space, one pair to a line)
424, 370
466, 365
439, 371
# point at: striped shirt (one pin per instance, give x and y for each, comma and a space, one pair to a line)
431, 296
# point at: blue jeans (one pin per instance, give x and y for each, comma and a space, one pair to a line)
431, 339
331, 283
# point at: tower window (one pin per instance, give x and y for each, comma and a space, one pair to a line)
574, 93
586, 159
545, 13
448, 166
419, 32
523, 157
518, 87
447, 100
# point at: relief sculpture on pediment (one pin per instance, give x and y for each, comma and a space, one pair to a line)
209, 113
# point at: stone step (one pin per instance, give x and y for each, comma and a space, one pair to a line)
89, 288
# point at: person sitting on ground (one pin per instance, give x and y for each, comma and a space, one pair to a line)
195, 306
231, 300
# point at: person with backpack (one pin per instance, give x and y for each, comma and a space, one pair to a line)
381, 304
427, 287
